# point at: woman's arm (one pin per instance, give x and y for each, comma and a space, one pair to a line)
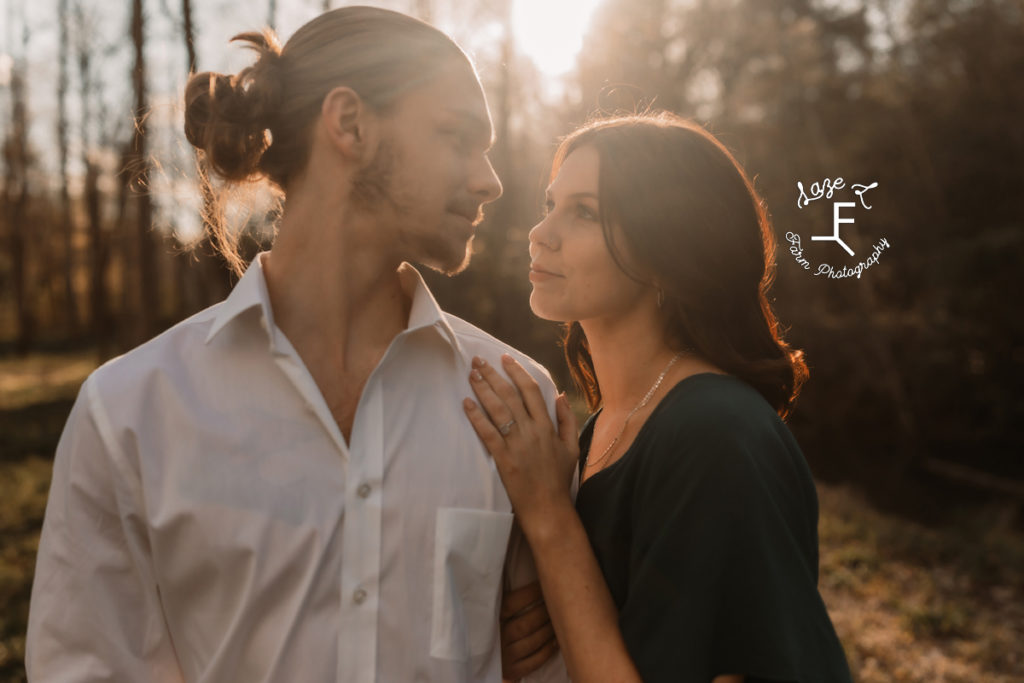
536, 464
578, 600
582, 611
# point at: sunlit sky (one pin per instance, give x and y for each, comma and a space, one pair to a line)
551, 32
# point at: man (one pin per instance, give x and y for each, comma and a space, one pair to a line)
284, 486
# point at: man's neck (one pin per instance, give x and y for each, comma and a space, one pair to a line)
335, 294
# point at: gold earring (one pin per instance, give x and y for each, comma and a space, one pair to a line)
661, 297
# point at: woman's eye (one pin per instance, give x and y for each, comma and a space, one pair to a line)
585, 213
547, 208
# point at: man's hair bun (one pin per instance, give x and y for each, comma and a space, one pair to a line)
228, 117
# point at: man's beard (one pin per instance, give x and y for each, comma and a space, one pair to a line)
374, 191
372, 186
445, 256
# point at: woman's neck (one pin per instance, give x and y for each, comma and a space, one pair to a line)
629, 355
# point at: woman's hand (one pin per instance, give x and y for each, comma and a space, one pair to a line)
535, 462
527, 637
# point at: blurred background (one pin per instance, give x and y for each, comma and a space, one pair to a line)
913, 418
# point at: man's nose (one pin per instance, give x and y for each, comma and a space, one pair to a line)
484, 182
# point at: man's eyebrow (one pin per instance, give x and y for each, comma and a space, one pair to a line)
479, 125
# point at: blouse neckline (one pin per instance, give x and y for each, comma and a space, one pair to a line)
588, 428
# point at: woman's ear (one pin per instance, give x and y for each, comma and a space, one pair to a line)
347, 121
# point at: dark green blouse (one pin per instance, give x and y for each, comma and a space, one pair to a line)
706, 530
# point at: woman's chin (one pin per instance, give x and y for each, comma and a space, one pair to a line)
546, 312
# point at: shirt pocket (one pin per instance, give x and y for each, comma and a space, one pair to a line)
469, 556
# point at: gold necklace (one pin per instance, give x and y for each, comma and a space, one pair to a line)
637, 407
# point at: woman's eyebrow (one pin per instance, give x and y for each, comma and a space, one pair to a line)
574, 195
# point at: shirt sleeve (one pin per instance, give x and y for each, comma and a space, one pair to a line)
94, 613
721, 575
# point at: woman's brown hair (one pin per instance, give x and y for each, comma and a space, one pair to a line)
693, 226
258, 122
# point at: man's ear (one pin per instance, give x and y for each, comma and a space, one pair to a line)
347, 121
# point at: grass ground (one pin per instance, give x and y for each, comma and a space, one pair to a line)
909, 603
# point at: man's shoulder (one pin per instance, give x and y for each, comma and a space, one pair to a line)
123, 376
477, 342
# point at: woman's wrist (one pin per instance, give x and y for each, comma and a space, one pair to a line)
542, 525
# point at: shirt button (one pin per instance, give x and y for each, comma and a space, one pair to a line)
359, 596
363, 490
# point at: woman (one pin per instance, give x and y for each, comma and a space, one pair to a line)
691, 551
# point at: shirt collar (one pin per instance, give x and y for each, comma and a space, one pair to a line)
251, 292
424, 311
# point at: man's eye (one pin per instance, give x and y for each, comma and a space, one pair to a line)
460, 141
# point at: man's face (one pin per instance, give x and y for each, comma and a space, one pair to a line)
431, 174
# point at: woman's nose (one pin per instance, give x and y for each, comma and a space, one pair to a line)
544, 234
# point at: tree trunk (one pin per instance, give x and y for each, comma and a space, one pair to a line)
149, 308
16, 158
189, 34
99, 313
67, 226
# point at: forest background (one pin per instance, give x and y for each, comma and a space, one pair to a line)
913, 418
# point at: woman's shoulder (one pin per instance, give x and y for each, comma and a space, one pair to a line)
714, 403
717, 422
715, 440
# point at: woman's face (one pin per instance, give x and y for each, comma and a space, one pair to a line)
573, 273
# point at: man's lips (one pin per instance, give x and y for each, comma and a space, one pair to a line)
471, 215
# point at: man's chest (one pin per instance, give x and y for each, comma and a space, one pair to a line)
249, 522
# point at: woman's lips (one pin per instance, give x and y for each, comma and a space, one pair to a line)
540, 275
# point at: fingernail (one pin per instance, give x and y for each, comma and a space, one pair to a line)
505, 358
478, 362
476, 375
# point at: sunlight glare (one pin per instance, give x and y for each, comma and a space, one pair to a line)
551, 32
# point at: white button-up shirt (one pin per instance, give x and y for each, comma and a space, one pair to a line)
208, 522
